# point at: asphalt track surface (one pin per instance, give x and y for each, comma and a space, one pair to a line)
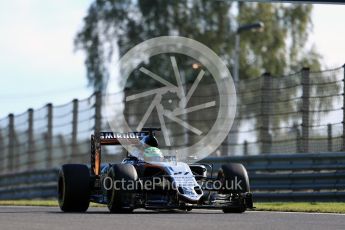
50, 218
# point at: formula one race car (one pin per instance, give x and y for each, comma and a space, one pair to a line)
150, 180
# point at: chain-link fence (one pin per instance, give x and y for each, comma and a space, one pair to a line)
301, 112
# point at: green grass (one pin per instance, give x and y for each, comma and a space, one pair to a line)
324, 207
49, 203
28, 202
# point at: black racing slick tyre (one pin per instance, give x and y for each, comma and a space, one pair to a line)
234, 178
74, 188
121, 197
242, 208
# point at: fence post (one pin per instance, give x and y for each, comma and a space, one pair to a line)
11, 143
98, 114
245, 148
2, 153
329, 137
49, 136
63, 146
343, 107
31, 145
305, 109
298, 138
266, 94
75, 128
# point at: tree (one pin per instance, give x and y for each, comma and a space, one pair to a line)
279, 49
131, 22
210, 22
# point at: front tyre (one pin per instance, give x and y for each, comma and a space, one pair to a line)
121, 197
239, 209
74, 188
235, 180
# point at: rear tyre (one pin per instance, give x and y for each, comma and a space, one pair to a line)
74, 188
121, 197
234, 178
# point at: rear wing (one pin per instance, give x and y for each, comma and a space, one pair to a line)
114, 138
111, 138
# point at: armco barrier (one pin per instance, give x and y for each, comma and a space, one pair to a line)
288, 177
29, 185
293, 177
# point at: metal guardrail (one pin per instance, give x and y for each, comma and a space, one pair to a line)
288, 177
293, 177
29, 185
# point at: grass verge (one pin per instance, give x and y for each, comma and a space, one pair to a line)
48, 203
323, 207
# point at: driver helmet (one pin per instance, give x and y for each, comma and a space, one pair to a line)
149, 140
153, 154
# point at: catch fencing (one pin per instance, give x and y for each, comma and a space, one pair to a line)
301, 112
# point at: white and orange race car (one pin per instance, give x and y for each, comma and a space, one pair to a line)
150, 180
